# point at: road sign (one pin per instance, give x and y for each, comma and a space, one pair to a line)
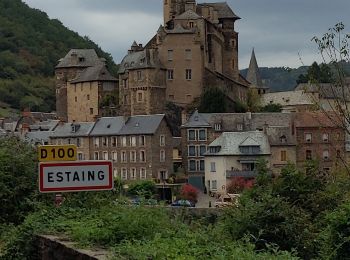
75, 176
49, 153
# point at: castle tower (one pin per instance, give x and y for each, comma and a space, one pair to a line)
172, 8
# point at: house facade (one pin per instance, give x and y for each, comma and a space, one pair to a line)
234, 154
321, 138
139, 146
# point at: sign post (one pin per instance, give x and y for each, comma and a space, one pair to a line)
55, 153
75, 176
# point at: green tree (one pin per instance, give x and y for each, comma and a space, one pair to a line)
18, 180
213, 100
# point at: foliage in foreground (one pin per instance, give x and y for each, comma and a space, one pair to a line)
130, 232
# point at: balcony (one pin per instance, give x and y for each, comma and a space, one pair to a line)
238, 173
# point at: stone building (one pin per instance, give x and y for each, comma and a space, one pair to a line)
321, 138
85, 66
234, 154
196, 48
201, 129
74, 133
139, 146
92, 93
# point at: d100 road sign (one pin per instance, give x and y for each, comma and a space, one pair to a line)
75, 176
49, 153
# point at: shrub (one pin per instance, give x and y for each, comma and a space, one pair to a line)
188, 192
239, 184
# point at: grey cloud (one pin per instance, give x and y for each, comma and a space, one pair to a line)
278, 29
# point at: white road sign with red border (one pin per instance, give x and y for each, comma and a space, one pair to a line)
75, 176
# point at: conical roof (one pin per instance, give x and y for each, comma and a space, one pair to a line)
253, 75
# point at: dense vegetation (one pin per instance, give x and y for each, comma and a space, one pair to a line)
298, 214
30, 46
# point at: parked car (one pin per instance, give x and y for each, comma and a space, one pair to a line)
226, 200
183, 203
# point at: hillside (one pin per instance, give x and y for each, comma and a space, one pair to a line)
279, 78
30, 46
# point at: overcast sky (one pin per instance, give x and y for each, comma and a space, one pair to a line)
279, 30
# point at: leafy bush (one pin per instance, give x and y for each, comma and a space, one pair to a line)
189, 192
239, 184
146, 189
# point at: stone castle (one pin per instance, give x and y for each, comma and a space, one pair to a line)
196, 48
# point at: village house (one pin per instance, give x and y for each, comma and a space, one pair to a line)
139, 146
74, 133
234, 154
83, 85
201, 129
320, 137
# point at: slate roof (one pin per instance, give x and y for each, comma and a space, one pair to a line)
146, 124
223, 9
231, 141
253, 75
230, 121
327, 90
287, 98
188, 15
318, 119
280, 136
89, 56
146, 58
65, 130
108, 126
179, 29
38, 137
96, 73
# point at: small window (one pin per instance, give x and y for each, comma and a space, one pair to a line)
191, 135
188, 54
115, 173
191, 24
170, 74
142, 156
133, 141
124, 174
88, 97
114, 156
325, 138
170, 55
76, 99
105, 155
217, 127
283, 156
308, 137
191, 151
214, 185
132, 156
80, 157
202, 150
201, 165
97, 141
96, 157
192, 165
162, 156
142, 140
240, 127
212, 167
202, 135
325, 155
91, 111
143, 173
123, 157
308, 155
139, 75
114, 141
123, 141
78, 142
162, 140
188, 74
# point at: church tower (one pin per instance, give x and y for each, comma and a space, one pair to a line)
253, 76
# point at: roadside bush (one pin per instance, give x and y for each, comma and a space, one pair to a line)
189, 192
146, 189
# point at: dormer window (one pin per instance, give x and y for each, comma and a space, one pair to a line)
217, 127
75, 128
283, 139
191, 24
249, 149
81, 59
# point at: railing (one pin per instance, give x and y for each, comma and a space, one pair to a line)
238, 173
